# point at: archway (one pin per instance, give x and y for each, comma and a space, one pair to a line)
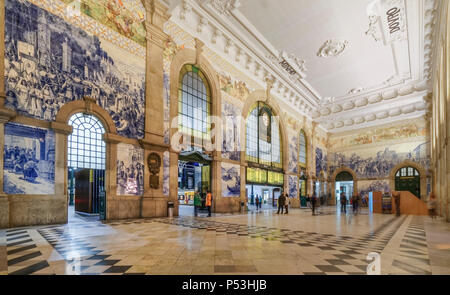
88, 106
194, 96
349, 175
265, 181
408, 179
86, 158
344, 185
422, 178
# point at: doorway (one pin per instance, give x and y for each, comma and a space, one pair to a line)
194, 176
267, 195
86, 168
343, 184
408, 179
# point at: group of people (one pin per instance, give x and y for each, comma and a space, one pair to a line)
37, 85
202, 201
22, 161
258, 202
356, 201
130, 179
283, 203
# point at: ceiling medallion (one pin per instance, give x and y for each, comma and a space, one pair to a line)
332, 48
224, 6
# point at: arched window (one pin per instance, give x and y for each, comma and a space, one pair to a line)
302, 150
408, 179
86, 146
194, 106
263, 140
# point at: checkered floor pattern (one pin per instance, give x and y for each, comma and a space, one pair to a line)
341, 254
413, 248
349, 253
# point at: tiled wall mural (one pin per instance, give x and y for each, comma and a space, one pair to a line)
231, 144
50, 62
130, 170
366, 186
166, 173
293, 152
293, 191
231, 180
29, 160
379, 161
383, 134
126, 17
321, 162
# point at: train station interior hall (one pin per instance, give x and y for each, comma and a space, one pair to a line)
224, 137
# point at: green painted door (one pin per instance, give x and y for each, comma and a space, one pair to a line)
408, 179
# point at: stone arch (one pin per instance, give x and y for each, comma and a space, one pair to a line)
184, 57
89, 106
333, 180
422, 172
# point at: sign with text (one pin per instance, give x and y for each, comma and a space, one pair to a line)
393, 20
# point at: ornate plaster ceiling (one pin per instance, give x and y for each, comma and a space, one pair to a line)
345, 64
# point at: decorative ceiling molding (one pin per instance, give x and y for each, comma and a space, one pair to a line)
223, 7
200, 19
231, 36
335, 122
332, 48
356, 90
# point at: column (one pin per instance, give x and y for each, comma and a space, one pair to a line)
153, 201
112, 201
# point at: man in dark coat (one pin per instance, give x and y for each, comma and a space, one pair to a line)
281, 203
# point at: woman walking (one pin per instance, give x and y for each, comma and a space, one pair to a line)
432, 205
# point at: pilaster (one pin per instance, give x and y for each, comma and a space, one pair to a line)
153, 202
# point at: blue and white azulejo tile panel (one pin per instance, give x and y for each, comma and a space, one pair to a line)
130, 170
50, 62
293, 191
231, 180
29, 160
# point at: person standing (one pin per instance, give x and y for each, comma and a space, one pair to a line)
197, 202
313, 203
343, 202
257, 202
286, 204
396, 196
354, 203
208, 202
432, 205
281, 202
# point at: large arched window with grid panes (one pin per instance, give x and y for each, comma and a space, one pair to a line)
263, 140
194, 106
86, 146
264, 151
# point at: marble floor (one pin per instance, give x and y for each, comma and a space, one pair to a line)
252, 243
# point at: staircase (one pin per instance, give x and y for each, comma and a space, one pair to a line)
410, 204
